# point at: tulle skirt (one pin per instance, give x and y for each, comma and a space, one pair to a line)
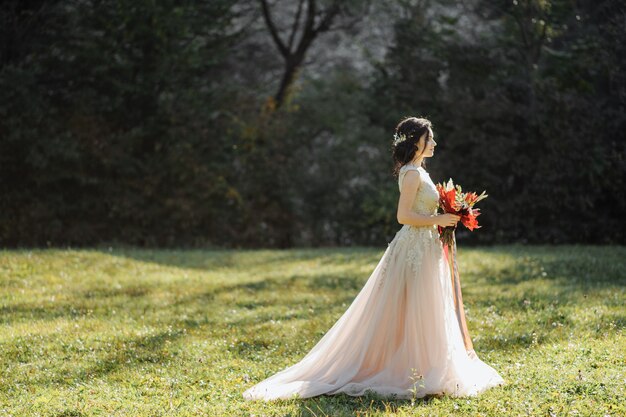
400, 336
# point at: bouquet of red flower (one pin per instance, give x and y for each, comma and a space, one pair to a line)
453, 200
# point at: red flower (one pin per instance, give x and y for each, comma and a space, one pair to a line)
469, 219
470, 197
453, 200
447, 200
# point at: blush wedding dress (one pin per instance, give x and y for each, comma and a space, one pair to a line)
400, 337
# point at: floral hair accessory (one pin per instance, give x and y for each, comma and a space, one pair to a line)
397, 138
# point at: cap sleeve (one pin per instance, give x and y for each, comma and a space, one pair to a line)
403, 171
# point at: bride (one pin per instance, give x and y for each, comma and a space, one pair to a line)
400, 336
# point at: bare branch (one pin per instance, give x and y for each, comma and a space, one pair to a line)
296, 23
346, 26
327, 20
294, 58
308, 33
272, 28
310, 16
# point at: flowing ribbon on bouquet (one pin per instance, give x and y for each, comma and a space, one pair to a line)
458, 297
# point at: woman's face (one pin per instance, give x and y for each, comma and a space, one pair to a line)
426, 141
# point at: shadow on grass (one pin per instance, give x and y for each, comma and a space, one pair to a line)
70, 413
320, 282
546, 313
125, 353
87, 301
208, 260
258, 290
345, 405
593, 266
573, 276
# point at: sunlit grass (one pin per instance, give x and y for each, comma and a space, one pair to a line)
157, 333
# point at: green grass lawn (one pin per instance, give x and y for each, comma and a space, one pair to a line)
129, 332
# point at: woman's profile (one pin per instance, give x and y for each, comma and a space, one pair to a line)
400, 336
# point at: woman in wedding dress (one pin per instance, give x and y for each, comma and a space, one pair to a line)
400, 337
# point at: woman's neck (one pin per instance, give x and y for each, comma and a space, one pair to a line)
417, 162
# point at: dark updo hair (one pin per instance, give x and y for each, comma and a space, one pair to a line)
404, 152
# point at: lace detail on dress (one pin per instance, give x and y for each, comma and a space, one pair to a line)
383, 270
423, 243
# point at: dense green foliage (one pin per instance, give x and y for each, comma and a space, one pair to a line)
183, 333
152, 123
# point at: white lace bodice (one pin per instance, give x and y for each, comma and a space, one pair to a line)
423, 241
427, 197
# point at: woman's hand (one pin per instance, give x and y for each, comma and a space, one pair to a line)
447, 219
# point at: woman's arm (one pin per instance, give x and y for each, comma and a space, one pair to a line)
410, 185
